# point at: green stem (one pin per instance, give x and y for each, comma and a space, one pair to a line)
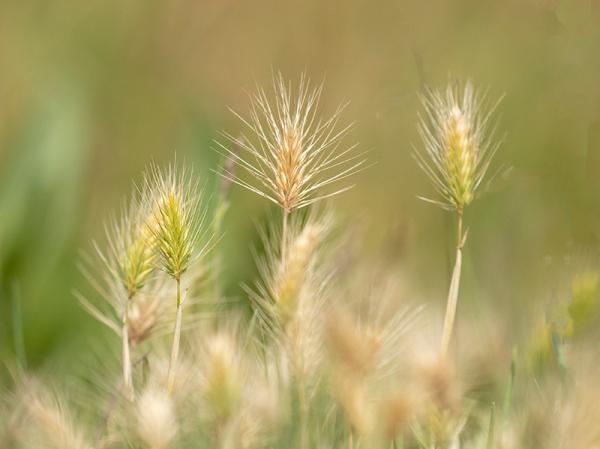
452, 300
176, 338
127, 379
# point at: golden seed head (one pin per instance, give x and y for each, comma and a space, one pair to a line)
291, 153
458, 146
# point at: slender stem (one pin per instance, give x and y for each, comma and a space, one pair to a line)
350, 440
127, 380
453, 291
176, 337
284, 236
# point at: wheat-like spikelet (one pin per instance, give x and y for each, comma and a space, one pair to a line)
365, 355
238, 396
132, 245
178, 218
398, 411
49, 422
289, 303
283, 293
459, 143
144, 316
291, 152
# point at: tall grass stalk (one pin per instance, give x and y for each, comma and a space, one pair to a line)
178, 226
458, 150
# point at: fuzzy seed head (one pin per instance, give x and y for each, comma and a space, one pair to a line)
397, 412
55, 424
291, 153
156, 423
143, 315
352, 348
294, 268
458, 145
177, 222
222, 383
131, 246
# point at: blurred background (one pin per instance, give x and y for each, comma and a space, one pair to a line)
91, 92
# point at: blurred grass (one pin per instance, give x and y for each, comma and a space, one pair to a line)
90, 92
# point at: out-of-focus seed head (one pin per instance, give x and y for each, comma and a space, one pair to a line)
292, 153
294, 267
355, 350
458, 146
156, 421
133, 247
143, 316
397, 412
127, 263
221, 378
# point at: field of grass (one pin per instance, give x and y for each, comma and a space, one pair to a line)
314, 225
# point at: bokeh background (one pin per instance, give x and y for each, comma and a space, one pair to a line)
92, 91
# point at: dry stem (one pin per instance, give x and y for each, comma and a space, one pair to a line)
176, 337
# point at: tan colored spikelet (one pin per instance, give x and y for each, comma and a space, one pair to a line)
397, 413
294, 268
357, 405
458, 144
355, 350
439, 377
143, 316
52, 419
292, 154
156, 421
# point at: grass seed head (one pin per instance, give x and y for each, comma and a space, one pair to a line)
130, 257
221, 378
156, 422
178, 221
136, 256
290, 151
458, 143
143, 316
294, 268
50, 425
397, 413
